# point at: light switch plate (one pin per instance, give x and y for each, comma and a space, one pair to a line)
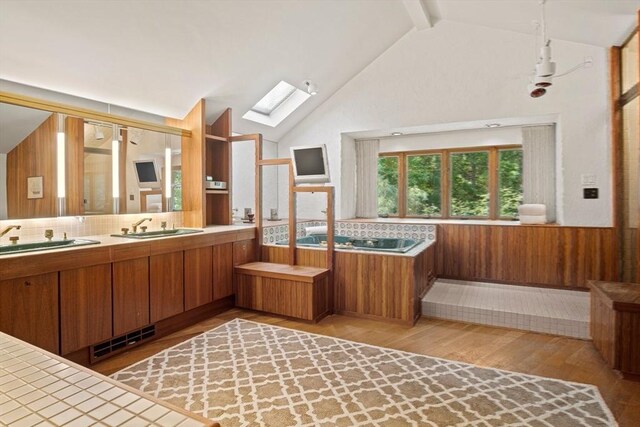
590, 193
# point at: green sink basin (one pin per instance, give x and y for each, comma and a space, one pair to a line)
43, 246
158, 233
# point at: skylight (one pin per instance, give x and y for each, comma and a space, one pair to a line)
276, 105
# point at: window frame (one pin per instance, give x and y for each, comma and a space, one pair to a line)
445, 179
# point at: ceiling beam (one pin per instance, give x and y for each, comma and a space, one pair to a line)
418, 13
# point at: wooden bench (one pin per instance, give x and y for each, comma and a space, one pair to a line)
288, 290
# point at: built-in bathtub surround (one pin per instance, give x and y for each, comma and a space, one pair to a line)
94, 225
551, 311
351, 228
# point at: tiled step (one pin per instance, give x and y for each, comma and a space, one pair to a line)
552, 311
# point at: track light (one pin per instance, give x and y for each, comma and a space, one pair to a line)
312, 88
99, 135
542, 81
536, 91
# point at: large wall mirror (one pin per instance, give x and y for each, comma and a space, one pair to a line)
107, 168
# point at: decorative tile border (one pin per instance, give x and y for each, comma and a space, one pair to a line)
273, 234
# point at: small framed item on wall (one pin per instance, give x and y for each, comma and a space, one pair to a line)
34, 187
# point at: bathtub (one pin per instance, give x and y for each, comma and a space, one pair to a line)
375, 244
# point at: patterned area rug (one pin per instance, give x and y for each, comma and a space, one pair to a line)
245, 373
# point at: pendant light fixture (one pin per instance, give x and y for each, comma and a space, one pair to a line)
545, 68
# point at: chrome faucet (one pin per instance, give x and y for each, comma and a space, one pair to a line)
8, 229
135, 225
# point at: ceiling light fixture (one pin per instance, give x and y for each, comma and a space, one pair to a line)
545, 68
493, 125
396, 133
312, 88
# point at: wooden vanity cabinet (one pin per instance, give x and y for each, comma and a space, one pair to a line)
29, 310
222, 271
166, 285
244, 252
85, 307
198, 277
130, 295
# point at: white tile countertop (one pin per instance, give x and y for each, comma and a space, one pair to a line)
38, 388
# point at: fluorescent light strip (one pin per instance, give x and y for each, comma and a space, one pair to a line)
60, 158
115, 163
167, 172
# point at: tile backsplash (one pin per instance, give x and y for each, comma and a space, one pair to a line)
273, 234
94, 225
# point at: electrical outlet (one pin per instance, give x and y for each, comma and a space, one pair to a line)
588, 179
131, 197
590, 193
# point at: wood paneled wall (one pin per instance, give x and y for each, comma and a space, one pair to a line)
305, 257
533, 255
193, 196
74, 153
35, 156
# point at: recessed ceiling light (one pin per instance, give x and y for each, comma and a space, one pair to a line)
396, 133
493, 125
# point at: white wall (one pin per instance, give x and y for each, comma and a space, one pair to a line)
457, 72
3, 186
243, 177
458, 139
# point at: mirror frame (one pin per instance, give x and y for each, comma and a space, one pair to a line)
55, 107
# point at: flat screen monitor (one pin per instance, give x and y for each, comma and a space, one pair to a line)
310, 164
147, 173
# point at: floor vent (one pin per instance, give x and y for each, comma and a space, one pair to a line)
99, 351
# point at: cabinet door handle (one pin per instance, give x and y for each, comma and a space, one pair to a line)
27, 283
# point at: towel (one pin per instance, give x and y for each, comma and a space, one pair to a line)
322, 229
532, 210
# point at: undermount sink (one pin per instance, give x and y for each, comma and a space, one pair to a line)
43, 246
157, 233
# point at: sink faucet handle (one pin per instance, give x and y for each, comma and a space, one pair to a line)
14, 239
124, 230
64, 236
48, 234
163, 225
143, 228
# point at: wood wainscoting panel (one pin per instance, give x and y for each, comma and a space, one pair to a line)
374, 285
166, 285
85, 307
530, 255
305, 257
130, 295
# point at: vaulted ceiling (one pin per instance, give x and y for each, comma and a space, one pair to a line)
162, 56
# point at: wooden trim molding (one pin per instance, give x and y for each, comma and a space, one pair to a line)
41, 104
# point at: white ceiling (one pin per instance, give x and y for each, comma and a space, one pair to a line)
162, 56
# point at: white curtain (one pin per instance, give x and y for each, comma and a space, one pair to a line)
367, 178
539, 167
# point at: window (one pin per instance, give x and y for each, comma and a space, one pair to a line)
277, 104
469, 184
509, 182
424, 196
388, 185
478, 182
